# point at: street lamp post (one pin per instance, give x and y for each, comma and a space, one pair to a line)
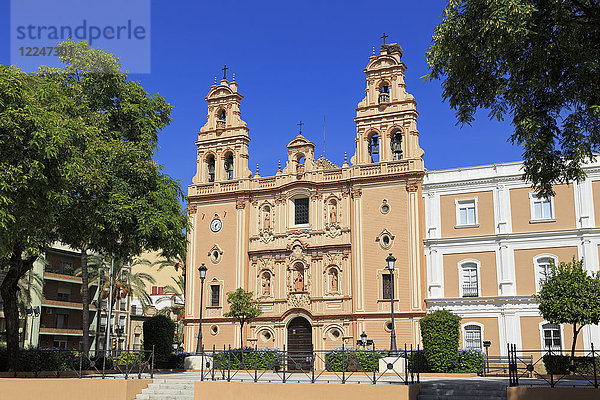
391, 261
34, 312
202, 270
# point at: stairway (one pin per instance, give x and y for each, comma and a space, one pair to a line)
462, 390
168, 389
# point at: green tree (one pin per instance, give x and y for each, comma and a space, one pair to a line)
570, 296
37, 140
118, 200
242, 308
440, 331
536, 61
158, 335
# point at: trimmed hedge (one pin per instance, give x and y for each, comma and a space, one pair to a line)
559, 365
51, 360
159, 332
440, 333
263, 359
356, 359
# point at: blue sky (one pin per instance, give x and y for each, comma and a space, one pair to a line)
296, 61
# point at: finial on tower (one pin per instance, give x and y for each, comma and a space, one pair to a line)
384, 37
300, 124
345, 157
215, 80
257, 170
225, 70
373, 50
233, 77
279, 166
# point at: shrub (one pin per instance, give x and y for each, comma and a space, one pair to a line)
362, 359
559, 365
471, 361
264, 359
440, 333
159, 332
127, 358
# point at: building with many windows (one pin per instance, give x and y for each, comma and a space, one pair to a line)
490, 243
311, 241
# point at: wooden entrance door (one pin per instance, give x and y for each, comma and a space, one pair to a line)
300, 345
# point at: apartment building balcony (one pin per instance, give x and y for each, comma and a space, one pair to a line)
64, 331
66, 304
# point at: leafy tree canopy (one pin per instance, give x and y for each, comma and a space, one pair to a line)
537, 61
570, 296
242, 308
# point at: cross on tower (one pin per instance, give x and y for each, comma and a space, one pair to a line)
300, 124
384, 37
225, 71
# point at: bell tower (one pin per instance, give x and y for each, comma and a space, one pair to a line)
386, 119
223, 141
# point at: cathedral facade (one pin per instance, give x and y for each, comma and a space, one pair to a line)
310, 242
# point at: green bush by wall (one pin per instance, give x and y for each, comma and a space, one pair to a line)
159, 332
440, 333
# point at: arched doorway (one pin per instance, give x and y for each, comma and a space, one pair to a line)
299, 344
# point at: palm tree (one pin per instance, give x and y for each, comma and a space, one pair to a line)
125, 282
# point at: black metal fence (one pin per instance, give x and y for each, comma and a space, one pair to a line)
341, 365
48, 363
553, 368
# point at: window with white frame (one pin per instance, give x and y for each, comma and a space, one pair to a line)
469, 279
541, 208
472, 339
466, 212
551, 337
543, 267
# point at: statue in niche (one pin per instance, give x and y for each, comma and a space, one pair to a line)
334, 280
266, 284
267, 219
299, 280
333, 212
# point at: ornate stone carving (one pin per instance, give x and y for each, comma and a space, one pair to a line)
240, 205
412, 186
356, 193
192, 208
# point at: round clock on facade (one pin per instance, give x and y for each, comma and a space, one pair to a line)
216, 225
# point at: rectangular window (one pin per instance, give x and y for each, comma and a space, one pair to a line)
122, 321
470, 280
301, 211
387, 286
62, 320
59, 344
473, 337
541, 209
466, 212
214, 295
552, 339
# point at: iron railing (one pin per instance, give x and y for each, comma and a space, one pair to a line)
553, 368
49, 363
343, 365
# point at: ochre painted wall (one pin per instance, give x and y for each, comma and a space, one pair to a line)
524, 265
488, 276
300, 391
485, 214
60, 389
564, 210
530, 393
